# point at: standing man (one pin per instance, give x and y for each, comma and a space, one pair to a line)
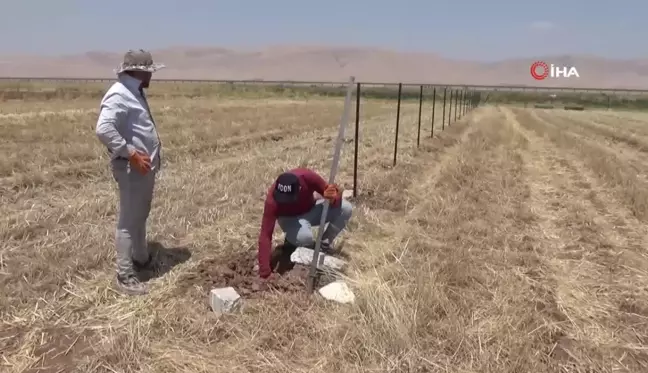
290, 202
126, 127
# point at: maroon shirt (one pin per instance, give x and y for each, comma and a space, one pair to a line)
309, 182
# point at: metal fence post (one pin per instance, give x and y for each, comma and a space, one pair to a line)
418, 134
445, 92
609, 103
398, 107
461, 103
450, 107
456, 100
433, 109
356, 142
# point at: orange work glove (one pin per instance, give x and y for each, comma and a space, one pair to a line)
141, 162
331, 192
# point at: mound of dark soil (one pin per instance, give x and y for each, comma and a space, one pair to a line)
238, 272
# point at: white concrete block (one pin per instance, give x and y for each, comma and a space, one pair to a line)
304, 256
337, 291
224, 300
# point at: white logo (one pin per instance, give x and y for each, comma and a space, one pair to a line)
284, 188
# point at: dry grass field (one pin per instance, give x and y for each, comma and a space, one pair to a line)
513, 241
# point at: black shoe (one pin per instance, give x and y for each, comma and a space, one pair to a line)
288, 248
325, 247
281, 253
143, 266
280, 258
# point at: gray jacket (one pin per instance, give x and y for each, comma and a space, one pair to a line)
125, 122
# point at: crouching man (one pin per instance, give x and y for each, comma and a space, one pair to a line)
290, 202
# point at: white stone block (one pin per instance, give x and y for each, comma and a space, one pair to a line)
337, 291
304, 255
224, 300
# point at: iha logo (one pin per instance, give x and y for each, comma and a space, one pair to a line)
540, 70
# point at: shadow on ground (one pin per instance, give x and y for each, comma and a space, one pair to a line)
164, 259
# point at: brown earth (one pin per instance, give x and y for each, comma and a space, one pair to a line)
238, 272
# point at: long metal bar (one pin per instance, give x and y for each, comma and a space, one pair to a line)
312, 276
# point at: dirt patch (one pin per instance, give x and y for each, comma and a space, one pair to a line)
238, 272
59, 349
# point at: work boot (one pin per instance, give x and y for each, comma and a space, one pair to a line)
288, 248
326, 247
143, 266
280, 258
130, 285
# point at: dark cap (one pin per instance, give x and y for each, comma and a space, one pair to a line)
286, 188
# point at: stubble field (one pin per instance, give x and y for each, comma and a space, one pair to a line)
513, 241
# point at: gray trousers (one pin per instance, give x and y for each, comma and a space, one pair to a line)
298, 228
135, 197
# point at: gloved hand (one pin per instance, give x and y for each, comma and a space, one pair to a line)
331, 192
140, 161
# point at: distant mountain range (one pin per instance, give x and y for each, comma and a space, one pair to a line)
327, 63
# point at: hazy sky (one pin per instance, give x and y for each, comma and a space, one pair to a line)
476, 29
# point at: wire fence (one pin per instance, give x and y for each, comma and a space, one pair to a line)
341, 85
459, 102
